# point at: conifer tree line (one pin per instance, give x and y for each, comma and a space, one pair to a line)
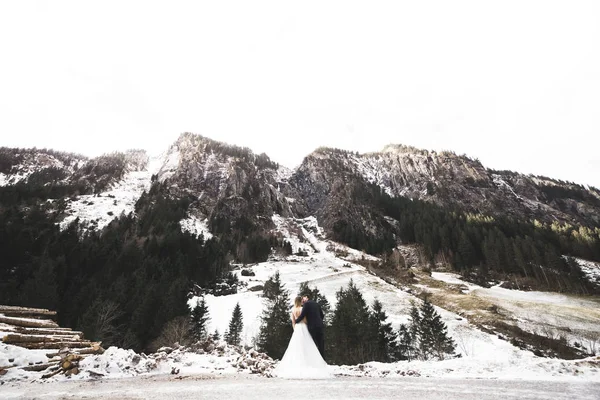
355, 333
120, 287
529, 253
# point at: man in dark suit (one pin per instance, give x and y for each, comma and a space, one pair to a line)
314, 322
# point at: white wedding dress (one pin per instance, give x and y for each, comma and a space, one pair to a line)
302, 359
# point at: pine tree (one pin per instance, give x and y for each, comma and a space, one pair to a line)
414, 330
276, 327
406, 349
216, 336
385, 338
351, 339
272, 287
233, 334
200, 317
466, 251
287, 248
434, 339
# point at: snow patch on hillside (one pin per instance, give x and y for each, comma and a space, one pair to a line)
13, 179
293, 233
283, 174
196, 227
373, 171
590, 269
502, 183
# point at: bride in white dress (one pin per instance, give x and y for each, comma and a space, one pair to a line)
302, 359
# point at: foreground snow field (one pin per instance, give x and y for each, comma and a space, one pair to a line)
250, 388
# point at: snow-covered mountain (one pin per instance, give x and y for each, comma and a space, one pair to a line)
254, 208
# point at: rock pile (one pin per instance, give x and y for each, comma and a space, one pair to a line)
255, 362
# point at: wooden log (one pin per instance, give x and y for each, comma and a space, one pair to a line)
40, 367
84, 344
87, 351
66, 364
28, 323
50, 375
73, 357
24, 314
72, 371
47, 331
11, 338
55, 329
16, 310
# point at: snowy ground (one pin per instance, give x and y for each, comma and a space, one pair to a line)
247, 387
548, 314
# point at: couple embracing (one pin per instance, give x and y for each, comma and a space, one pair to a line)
303, 358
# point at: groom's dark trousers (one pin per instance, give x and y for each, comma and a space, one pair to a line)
319, 338
314, 322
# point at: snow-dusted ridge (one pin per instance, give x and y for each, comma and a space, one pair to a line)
33, 163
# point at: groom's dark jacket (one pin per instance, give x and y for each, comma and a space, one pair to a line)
313, 313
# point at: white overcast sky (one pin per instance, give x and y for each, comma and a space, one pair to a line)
513, 83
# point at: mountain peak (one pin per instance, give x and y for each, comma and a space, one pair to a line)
401, 148
191, 144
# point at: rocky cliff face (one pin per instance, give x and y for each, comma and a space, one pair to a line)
445, 179
228, 184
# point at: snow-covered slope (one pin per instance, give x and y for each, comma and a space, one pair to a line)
553, 315
321, 268
97, 210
